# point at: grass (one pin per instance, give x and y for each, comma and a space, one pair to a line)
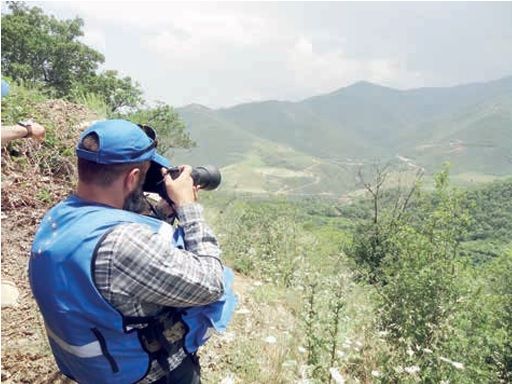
472, 178
261, 339
266, 342
272, 169
270, 339
94, 103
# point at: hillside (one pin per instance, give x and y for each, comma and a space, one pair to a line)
468, 125
37, 175
265, 341
305, 313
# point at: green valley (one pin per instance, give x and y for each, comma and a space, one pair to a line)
338, 133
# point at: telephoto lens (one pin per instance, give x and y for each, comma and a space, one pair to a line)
206, 177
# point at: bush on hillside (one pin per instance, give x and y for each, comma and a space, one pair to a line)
442, 320
37, 173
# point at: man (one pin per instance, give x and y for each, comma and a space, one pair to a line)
112, 284
22, 129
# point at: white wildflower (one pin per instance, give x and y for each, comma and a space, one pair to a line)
228, 336
341, 354
229, 379
336, 376
455, 364
426, 350
410, 352
375, 373
412, 370
270, 340
304, 373
289, 363
243, 311
301, 350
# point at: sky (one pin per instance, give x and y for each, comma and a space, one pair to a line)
219, 54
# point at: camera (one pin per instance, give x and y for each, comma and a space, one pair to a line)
207, 177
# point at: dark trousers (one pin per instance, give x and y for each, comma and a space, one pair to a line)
188, 372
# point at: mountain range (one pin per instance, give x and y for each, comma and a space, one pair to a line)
317, 145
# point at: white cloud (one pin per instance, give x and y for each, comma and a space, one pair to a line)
95, 38
174, 48
191, 36
140, 15
220, 53
225, 26
318, 72
211, 21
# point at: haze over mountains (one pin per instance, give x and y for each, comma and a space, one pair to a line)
317, 145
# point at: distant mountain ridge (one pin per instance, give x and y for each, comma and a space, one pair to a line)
469, 125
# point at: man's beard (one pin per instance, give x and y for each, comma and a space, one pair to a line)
135, 201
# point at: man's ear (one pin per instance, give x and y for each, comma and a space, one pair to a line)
132, 179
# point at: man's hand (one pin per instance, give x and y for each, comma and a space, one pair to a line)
20, 131
38, 131
181, 190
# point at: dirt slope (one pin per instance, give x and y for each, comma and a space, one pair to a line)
34, 176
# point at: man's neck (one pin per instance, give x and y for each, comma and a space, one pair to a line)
101, 195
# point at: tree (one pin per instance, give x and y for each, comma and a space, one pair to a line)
38, 48
371, 242
167, 123
118, 93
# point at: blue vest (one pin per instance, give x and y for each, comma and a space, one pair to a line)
92, 342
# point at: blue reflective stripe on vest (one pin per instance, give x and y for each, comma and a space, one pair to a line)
88, 350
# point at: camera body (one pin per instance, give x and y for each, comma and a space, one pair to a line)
207, 177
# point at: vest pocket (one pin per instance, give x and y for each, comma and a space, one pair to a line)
104, 350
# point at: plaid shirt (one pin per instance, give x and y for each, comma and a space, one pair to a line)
139, 273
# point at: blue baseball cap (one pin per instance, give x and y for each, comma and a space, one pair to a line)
123, 142
120, 142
